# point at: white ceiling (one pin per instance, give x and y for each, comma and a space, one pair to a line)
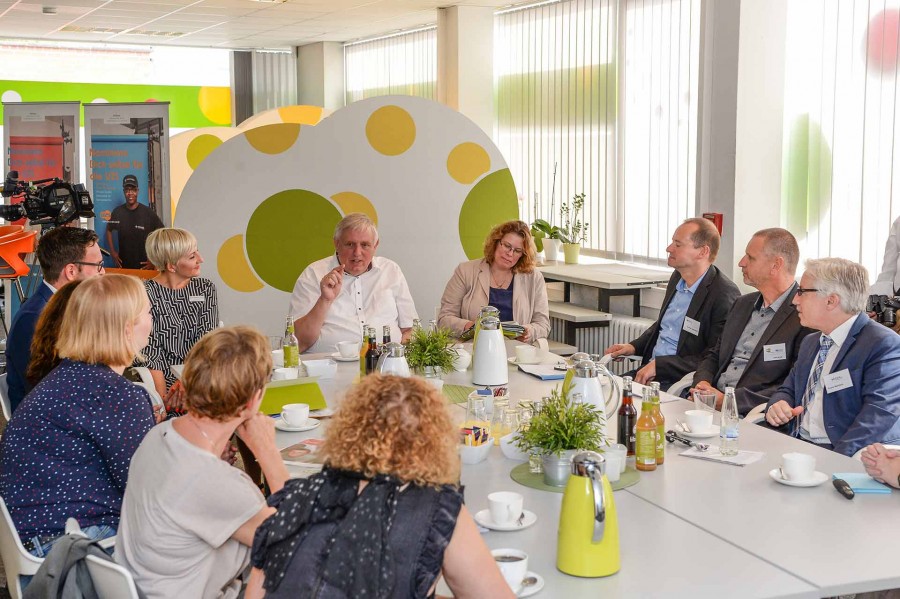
216, 23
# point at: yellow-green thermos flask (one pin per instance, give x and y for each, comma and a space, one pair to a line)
588, 543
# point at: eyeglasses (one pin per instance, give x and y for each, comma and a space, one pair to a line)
801, 290
97, 265
511, 249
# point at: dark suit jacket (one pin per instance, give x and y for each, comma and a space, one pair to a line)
709, 306
759, 376
867, 412
18, 344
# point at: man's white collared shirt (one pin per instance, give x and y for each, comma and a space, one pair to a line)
813, 418
378, 297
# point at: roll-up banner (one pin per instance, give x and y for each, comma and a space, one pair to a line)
127, 147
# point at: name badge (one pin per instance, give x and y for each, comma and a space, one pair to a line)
776, 351
197, 298
838, 380
691, 326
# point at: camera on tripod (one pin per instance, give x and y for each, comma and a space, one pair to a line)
47, 202
885, 309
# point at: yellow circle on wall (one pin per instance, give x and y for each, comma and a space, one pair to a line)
215, 104
201, 147
350, 201
304, 115
234, 268
390, 130
273, 139
467, 162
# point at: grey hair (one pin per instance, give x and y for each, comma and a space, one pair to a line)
355, 221
845, 279
781, 242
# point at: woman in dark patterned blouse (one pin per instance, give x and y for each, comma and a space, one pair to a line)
385, 517
184, 305
67, 448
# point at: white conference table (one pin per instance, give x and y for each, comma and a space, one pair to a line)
609, 277
694, 527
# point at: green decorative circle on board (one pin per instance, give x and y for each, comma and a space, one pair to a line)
806, 175
201, 147
287, 232
523, 475
491, 201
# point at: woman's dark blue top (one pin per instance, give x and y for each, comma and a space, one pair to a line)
502, 299
66, 451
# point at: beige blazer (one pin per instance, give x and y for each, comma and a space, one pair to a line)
468, 290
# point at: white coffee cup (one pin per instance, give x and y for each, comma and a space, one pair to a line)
614, 465
284, 374
295, 414
513, 564
699, 421
526, 354
278, 358
798, 467
505, 506
348, 349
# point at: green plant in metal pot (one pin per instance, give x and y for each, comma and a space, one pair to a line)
431, 351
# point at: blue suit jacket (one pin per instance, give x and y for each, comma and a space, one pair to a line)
18, 344
867, 412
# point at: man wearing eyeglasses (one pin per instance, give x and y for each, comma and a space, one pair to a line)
65, 254
335, 296
762, 335
844, 391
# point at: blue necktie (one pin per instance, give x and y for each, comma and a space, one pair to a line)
815, 373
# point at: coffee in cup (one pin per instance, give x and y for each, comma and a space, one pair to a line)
505, 506
699, 421
513, 564
526, 354
295, 414
348, 349
798, 467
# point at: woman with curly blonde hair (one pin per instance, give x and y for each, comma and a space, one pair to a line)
505, 278
385, 516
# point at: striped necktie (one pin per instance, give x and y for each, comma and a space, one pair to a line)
815, 374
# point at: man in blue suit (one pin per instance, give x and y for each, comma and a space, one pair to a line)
65, 254
844, 390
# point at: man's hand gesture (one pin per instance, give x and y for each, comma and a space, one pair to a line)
332, 283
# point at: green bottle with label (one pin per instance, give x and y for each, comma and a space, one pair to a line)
290, 346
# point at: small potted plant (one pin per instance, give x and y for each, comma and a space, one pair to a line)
574, 230
558, 430
430, 353
546, 238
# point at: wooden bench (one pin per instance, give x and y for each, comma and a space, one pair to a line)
577, 317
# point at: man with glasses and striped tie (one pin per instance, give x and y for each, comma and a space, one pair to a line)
844, 390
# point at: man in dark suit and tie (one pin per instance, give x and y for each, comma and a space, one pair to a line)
844, 391
698, 298
65, 254
762, 335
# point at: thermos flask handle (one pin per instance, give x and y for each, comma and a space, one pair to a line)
599, 508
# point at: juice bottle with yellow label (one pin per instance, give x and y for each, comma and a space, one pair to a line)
660, 424
645, 441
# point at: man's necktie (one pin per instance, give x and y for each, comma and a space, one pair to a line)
812, 383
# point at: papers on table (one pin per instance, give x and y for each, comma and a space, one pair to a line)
545, 372
712, 454
862, 483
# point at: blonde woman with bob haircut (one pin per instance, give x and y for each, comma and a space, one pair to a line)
183, 304
505, 278
188, 518
385, 516
67, 449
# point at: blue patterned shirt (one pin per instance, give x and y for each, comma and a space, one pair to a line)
673, 320
66, 451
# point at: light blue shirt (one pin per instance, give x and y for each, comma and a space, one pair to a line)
673, 320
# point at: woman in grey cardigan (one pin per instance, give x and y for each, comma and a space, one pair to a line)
504, 278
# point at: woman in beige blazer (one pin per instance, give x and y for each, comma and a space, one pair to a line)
504, 278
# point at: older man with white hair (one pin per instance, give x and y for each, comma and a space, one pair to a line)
844, 390
335, 296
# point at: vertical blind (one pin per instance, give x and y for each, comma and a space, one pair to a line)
274, 80
400, 64
841, 142
600, 97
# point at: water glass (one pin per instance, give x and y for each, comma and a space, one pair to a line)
535, 465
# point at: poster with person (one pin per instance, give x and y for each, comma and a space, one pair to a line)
128, 172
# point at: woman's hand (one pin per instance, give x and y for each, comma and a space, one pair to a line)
527, 336
882, 464
258, 432
175, 397
159, 412
229, 454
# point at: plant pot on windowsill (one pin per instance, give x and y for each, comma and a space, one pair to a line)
551, 249
571, 251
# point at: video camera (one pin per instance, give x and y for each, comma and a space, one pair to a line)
885, 309
48, 202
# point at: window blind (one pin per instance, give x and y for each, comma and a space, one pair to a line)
399, 64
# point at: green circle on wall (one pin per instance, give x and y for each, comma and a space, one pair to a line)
490, 202
287, 232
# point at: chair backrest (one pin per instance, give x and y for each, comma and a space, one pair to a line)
12, 251
4, 397
111, 581
147, 383
16, 561
9, 230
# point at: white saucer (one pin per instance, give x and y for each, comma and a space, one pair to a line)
282, 426
712, 432
484, 519
515, 362
533, 589
817, 479
337, 356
